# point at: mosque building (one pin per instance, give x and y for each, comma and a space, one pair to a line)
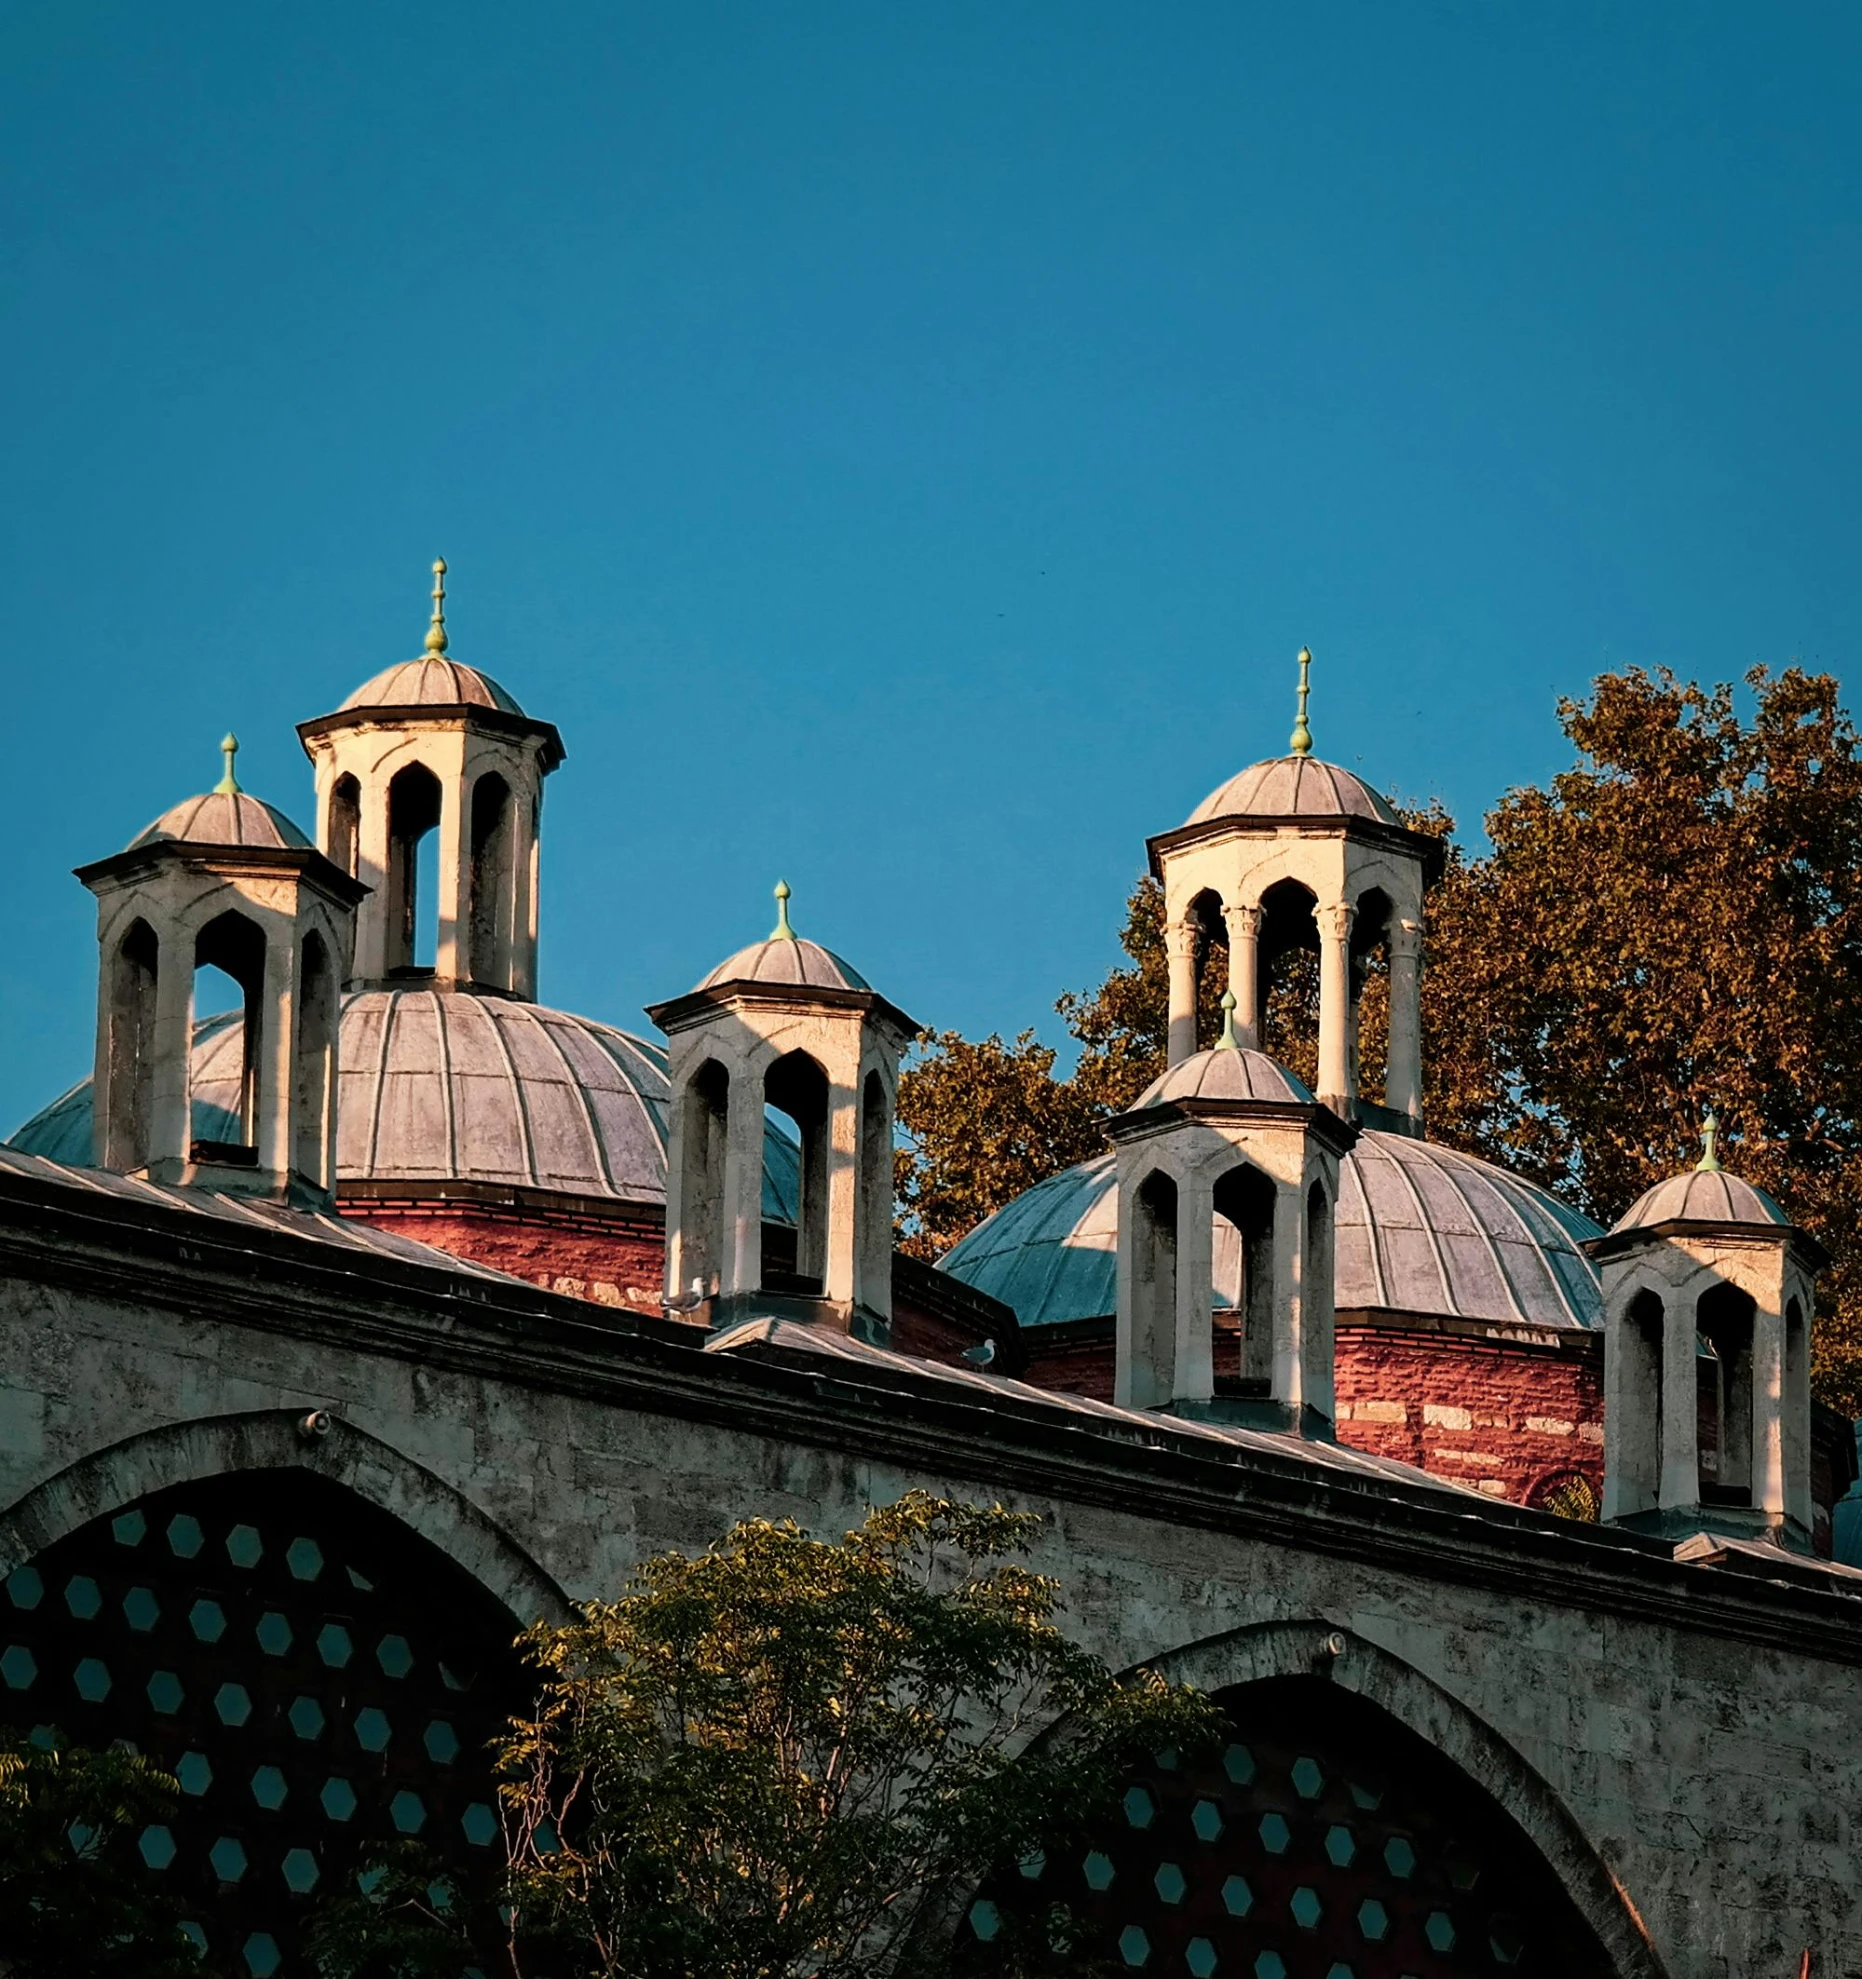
346, 1332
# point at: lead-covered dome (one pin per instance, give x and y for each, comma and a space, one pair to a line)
1226, 1072
432, 682
444, 1086
224, 818
785, 958
1703, 1195
1295, 787
1419, 1229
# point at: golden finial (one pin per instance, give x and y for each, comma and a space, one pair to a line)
436, 632
1302, 735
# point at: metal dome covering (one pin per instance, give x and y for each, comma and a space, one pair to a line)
442, 1086
222, 817
787, 959
1702, 1195
1226, 1072
1419, 1229
1294, 787
432, 682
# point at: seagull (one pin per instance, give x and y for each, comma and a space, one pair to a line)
687, 1301
980, 1356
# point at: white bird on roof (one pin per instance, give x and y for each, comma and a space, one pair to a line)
980, 1356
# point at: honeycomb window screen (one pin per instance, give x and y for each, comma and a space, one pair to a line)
1344, 1844
275, 1643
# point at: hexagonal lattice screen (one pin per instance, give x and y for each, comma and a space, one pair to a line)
319, 1680
1321, 1841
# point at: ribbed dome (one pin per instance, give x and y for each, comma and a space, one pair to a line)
787, 959
1419, 1229
433, 682
1226, 1072
446, 1086
1294, 787
224, 818
1703, 1196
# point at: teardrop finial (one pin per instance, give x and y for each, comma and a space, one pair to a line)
228, 786
1302, 734
782, 930
436, 631
1709, 1162
1228, 1041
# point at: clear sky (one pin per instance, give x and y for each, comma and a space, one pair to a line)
903, 447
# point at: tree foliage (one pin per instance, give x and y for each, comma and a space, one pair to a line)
783, 1756
1673, 920
74, 1895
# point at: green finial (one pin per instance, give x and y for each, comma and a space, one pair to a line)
1709, 1162
782, 930
228, 786
1228, 1041
1302, 735
436, 632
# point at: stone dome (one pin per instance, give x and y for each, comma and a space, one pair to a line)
446, 1086
1419, 1229
224, 818
1226, 1072
787, 959
1702, 1195
1294, 787
432, 682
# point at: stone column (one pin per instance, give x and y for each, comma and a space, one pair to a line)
274, 1065
1335, 1003
452, 872
740, 1270
1244, 971
1180, 944
1403, 1068
842, 1135
1193, 1379
371, 962
1680, 1471
1768, 1400
171, 1130
1289, 1365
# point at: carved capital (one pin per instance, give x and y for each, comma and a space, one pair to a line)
1335, 921
1405, 941
1244, 924
1180, 939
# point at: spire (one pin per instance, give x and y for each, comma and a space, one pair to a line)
1709, 1162
1228, 1041
1301, 744
782, 930
228, 786
436, 632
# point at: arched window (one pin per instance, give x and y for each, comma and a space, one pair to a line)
346, 825
1154, 1291
1322, 1837
133, 975
1289, 978
493, 881
315, 1067
321, 1681
1315, 1287
233, 949
1368, 1031
704, 1128
1567, 1494
1637, 1398
797, 1086
413, 892
1205, 916
1724, 1323
1244, 1277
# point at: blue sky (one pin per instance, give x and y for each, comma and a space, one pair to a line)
902, 447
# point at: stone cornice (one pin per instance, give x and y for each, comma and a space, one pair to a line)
680, 1013
442, 716
218, 1272
300, 862
1432, 852
1340, 1136
1792, 1238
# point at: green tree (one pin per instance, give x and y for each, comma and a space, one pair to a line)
785, 1755
74, 1895
1675, 919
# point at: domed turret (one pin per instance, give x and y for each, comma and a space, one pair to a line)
1294, 787
1708, 1291
785, 958
224, 815
433, 745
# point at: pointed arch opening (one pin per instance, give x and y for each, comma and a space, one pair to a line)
1368, 1025
314, 1066
413, 906
796, 1085
135, 971
876, 1196
1154, 1290
493, 881
345, 833
1204, 915
1636, 1399
229, 973
1244, 1280
704, 1133
1723, 1321
1289, 978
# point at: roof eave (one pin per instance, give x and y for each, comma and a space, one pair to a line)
1788, 1236
498, 721
680, 1013
1339, 1136
303, 860
1433, 852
